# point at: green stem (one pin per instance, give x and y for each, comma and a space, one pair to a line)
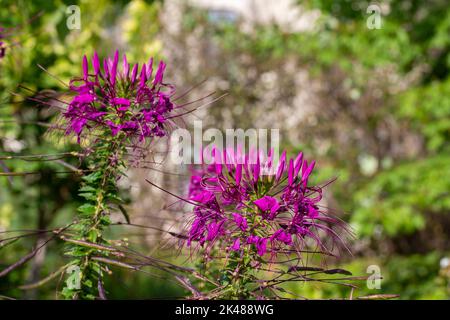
99, 189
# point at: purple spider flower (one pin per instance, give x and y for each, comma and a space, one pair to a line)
270, 207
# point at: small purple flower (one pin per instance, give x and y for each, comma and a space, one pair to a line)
203, 197
306, 171
281, 166
114, 128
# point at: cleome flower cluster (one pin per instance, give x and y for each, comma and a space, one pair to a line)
125, 100
247, 203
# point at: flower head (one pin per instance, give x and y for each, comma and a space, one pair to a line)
120, 99
265, 207
268, 204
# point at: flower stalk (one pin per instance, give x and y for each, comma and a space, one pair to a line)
114, 109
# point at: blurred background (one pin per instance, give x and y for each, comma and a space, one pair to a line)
363, 87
